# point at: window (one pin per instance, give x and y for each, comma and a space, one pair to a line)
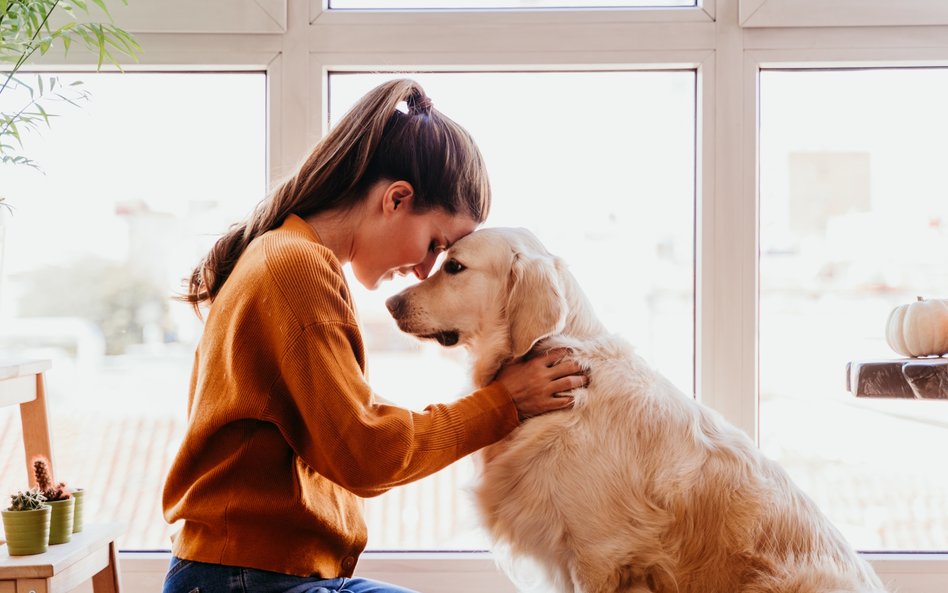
304, 48
853, 221
488, 4
600, 166
136, 185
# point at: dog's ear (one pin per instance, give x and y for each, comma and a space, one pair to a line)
536, 306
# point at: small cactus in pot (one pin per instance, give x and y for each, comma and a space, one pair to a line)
31, 500
26, 523
58, 497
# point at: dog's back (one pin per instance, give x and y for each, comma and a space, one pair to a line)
640, 488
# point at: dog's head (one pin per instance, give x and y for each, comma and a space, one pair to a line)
498, 289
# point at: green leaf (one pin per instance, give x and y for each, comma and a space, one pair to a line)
25, 28
68, 100
102, 51
101, 5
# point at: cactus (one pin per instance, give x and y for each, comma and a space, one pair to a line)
31, 500
44, 480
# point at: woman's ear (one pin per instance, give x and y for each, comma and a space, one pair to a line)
397, 197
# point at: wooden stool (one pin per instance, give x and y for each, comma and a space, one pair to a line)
91, 553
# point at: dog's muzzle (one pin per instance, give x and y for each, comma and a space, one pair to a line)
397, 306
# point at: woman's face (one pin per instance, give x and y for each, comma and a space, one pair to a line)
401, 241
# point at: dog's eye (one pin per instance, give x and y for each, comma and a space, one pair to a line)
453, 266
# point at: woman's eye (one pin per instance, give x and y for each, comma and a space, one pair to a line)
434, 247
453, 266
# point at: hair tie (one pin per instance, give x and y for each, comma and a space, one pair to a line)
419, 104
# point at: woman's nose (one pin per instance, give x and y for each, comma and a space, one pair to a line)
424, 268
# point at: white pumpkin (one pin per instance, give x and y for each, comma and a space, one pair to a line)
919, 328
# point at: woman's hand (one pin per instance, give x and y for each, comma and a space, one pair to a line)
536, 385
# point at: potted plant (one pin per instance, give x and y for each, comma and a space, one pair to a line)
26, 523
58, 497
79, 494
27, 30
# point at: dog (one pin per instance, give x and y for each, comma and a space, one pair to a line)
637, 488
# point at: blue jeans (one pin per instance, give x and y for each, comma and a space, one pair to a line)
188, 576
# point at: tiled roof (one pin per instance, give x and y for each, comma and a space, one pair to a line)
122, 461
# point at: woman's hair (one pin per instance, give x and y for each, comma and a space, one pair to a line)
392, 133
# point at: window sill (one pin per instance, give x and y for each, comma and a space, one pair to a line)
473, 572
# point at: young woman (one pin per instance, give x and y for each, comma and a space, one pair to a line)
284, 434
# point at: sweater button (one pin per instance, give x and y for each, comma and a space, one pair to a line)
348, 562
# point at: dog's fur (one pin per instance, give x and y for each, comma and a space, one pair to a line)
638, 488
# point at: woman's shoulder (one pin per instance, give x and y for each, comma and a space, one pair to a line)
290, 251
305, 272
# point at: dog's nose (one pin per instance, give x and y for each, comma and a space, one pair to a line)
395, 305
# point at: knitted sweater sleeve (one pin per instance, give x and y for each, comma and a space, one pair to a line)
330, 420
326, 411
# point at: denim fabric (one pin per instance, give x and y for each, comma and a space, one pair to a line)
188, 576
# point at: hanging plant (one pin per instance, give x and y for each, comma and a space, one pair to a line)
25, 32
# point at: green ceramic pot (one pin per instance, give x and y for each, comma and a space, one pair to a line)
60, 521
27, 532
78, 494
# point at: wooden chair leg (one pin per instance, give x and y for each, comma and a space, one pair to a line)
31, 586
107, 580
36, 433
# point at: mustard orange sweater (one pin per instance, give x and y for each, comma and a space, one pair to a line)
284, 435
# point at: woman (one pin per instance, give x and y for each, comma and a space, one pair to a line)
284, 434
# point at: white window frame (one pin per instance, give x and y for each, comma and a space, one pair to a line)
188, 16
321, 15
842, 13
727, 42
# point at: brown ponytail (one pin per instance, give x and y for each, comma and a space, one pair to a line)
393, 133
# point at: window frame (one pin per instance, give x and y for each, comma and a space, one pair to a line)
841, 13
475, 572
320, 14
186, 16
727, 42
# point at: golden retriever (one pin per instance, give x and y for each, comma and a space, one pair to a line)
638, 488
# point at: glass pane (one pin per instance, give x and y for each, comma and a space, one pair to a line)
137, 183
600, 166
853, 221
489, 4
